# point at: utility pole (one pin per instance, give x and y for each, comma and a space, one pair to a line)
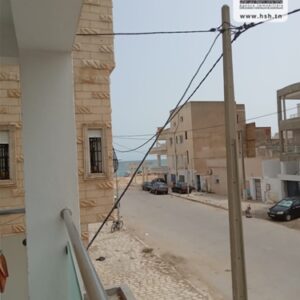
238, 271
244, 190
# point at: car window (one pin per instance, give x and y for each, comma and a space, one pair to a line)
297, 202
285, 203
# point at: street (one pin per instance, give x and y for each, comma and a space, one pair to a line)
195, 238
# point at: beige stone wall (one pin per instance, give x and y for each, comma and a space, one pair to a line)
204, 123
12, 191
93, 60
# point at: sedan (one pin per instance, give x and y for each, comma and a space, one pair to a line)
182, 188
159, 188
286, 209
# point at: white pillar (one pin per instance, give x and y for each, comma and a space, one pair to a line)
50, 167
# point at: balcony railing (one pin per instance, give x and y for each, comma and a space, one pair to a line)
292, 149
12, 211
93, 286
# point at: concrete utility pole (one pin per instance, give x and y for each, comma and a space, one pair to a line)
238, 271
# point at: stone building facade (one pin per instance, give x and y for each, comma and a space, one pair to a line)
93, 62
195, 145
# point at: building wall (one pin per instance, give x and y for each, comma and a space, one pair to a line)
93, 58
93, 61
12, 191
203, 123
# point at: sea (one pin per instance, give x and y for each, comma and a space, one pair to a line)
125, 167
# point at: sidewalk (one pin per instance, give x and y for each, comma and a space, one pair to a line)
129, 261
258, 209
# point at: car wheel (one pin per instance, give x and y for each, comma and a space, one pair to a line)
156, 192
288, 217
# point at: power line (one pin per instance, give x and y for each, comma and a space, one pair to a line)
125, 147
213, 126
211, 30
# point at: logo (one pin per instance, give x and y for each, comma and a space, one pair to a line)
248, 11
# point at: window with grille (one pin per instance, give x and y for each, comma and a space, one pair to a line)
4, 161
4, 155
96, 164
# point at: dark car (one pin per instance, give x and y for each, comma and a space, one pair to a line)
286, 209
159, 188
182, 188
147, 186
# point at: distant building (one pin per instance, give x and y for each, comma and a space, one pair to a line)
195, 145
278, 175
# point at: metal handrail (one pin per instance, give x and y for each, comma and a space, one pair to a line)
94, 287
12, 211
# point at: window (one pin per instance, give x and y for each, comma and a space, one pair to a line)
171, 141
181, 119
4, 155
181, 139
95, 151
186, 135
7, 155
176, 140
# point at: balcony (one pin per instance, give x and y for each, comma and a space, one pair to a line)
81, 281
159, 149
289, 124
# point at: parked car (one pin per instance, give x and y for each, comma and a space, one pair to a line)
286, 209
146, 186
182, 188
159, 188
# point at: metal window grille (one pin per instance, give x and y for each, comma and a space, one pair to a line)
96, 155
4, 161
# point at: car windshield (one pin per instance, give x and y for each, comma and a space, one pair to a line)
285, 203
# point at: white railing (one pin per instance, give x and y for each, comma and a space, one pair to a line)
93, 286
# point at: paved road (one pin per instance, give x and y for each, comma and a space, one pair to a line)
195, 238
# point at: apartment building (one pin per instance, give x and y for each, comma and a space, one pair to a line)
196, 145
55, 136
278, 175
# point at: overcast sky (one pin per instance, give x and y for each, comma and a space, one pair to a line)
152, 71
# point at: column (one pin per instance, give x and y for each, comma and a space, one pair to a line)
50, 167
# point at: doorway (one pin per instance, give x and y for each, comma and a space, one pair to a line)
257, 187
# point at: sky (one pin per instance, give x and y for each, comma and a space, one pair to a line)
152, 72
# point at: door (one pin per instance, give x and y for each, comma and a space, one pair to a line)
292, 188
198, 182
257, 186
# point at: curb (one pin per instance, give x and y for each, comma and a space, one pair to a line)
198, 201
